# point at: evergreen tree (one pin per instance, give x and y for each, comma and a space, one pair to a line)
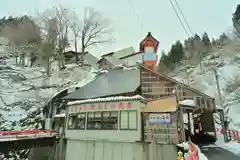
213, 42
165, 64
205, 39
196, 37
176, 53
223, 39
236, 19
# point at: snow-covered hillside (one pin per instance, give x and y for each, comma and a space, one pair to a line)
25, 90
226, 62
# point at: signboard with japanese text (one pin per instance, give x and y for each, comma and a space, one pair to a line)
107, 106
161, 118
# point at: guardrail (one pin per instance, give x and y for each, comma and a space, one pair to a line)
232, 134
193, 150
14, 135
3, 133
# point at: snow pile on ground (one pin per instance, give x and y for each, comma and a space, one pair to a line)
226, 62
201, 156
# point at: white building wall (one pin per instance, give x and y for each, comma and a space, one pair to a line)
132, 60
110, 135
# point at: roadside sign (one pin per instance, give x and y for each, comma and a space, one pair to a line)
161, 118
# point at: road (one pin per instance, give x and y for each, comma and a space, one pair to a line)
217, 153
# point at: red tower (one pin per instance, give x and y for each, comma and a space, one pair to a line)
149, 47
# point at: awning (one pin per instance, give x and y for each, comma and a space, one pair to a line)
168, 104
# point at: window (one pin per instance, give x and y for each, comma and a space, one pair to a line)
80, 122
94, 120
198, 101
128, 120
102, 120
109, 120
72, 121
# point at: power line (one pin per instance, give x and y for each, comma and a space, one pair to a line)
185, 20
179, 18
133, 8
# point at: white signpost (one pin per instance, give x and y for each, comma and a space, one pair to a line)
160, 118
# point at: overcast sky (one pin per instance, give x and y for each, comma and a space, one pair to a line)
157, 16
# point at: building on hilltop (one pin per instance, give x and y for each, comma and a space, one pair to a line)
89, 59
113, 59
147, 55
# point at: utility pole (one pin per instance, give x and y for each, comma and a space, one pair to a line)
218, 86
222, 117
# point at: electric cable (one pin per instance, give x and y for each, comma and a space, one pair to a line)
135, 12
185, 20
179, 18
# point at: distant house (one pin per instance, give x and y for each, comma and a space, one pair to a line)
146, 55
109, 62
113, 59
132, 59
70, 57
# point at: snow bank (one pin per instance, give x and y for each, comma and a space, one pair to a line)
188, 102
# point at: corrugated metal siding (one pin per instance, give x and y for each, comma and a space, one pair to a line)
166, 152
100, 150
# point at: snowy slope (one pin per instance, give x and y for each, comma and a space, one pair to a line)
25, 90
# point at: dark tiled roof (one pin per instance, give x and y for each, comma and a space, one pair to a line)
112, 83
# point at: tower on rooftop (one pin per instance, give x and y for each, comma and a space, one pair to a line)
149, 47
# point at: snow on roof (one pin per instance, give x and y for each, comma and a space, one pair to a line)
88, 78
108, 99
60, 115
184, 145
115, 61
187, 102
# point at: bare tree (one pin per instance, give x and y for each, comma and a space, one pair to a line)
76, 30
95, 30
49, 32
62, 23
63, 28
48, 46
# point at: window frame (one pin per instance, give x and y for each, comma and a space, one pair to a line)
87, 118
76, 126
128, 111
110, 113
72, 115
101, 120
